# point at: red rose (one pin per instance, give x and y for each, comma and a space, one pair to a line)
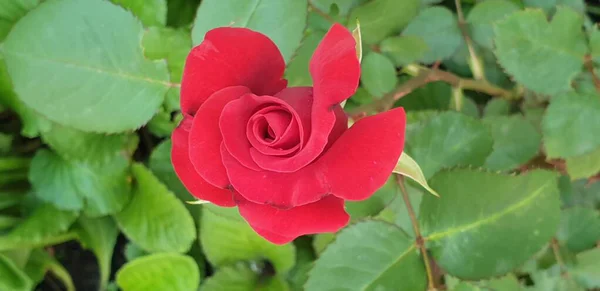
284, 156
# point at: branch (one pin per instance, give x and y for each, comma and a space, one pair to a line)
328, 17
474, 62
559, 260
589, 65
420, 242
422, 78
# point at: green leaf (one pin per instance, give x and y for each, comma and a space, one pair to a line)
506, 283
438, 27
374, 204
19, 256
161, 124
240, 277
370, 255
579, 228
93, 57
11, 11
305, 257
447, 140
361, 97
226, 238
404, 50
595, 45
33, 123
166, 271
516, 141
408, 167
132, 252
180, 13
161, 166
469, 108
98, 187
550, 6
546, 281
100, 236
545, 57
587, 270
149, 12
579, 193
484, 15
13, 279
170, 44
377, 22
497, 107
321, 241
378, 74
396, 212
476, 208
567, 125
430, 2
265, 16
41, 262
73, 144
584, 166
297, 72
46, 225
7, 221
154, 219
435, 95
344, 6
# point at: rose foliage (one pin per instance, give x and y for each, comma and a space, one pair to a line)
295, 145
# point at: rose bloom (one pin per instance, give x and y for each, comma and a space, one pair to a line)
283, 155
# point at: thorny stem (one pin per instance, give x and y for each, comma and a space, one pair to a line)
419, 238
423, 76
589, 65
557, 255
475, 61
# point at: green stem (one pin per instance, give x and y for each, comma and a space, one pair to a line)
13, 177
13, 163
420, 242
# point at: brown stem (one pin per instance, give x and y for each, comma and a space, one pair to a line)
321, 12
420, 242
589, 65
422, 78
559, 260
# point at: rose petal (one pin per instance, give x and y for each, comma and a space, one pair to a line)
334, 67
355, 166
205, 136
340, 126
301, 100
188, 175
273, 237
335, 71
231, 57
282, 226
363, 158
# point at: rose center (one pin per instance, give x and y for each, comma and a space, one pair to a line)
273, 129
270, 127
